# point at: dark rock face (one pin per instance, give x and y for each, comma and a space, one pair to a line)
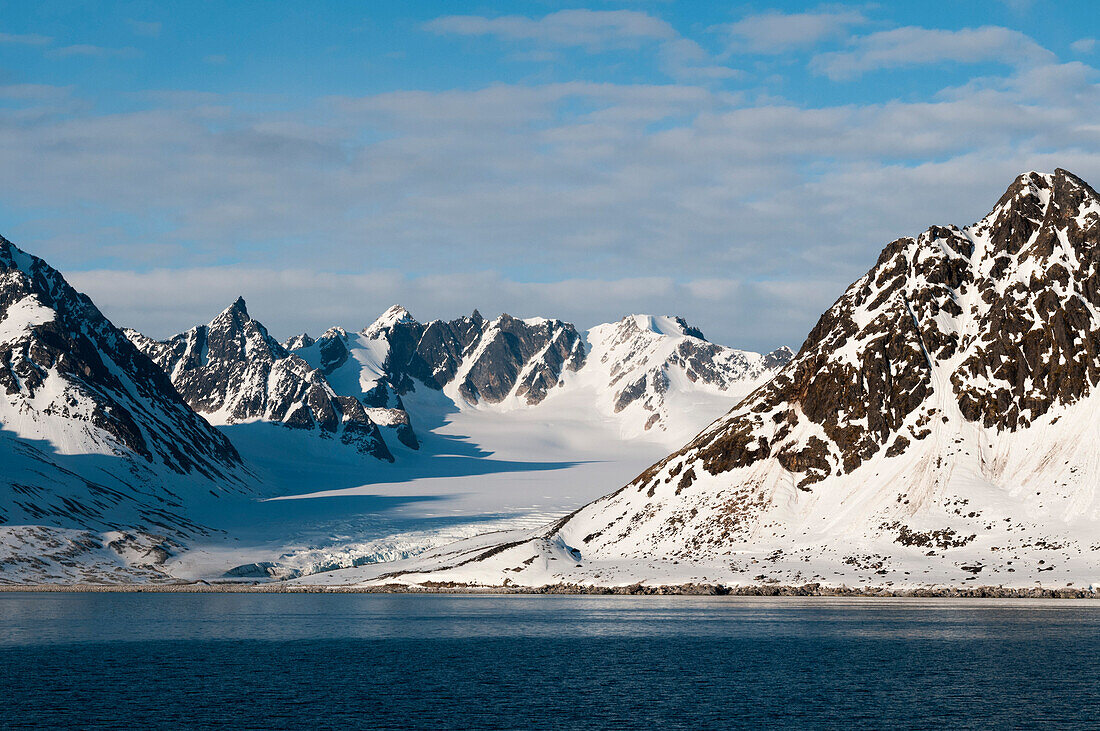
60, 358
497, 357
998, 318
430, 354
334, 349
233, 371
689, 330
527, 357
298, 341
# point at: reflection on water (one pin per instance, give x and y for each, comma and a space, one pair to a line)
401, 661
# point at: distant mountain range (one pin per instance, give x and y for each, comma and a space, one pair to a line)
938, 427
113, 442
345, 386
94, 436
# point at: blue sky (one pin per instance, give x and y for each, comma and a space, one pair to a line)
736, 164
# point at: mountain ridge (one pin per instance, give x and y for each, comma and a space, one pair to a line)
504, 363
102, 458
935, 425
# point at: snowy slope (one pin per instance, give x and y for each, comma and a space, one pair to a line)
93, 437
479, 465
660, 375
521, 421
644, 375
937, 427
354, 366
233, 372
473, 464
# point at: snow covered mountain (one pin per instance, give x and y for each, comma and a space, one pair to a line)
937, 427
482, 361
355, 367
232, 371
659, 374
93, 437
645, 374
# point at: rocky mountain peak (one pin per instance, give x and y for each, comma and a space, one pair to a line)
939, 420
778, 358
661, 325
73, 385
642, 358
234, 336
233, 316
994, 325
1035, 208
391, 318
294, 342
520, 358
232, 370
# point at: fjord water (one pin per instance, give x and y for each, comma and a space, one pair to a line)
508, 662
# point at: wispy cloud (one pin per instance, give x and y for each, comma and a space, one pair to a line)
911, 46
1084, 45
147, 28
776, 32
742, 210
89, 51
594, 30
25, 39
34, 92
537, 181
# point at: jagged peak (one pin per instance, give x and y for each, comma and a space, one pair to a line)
302, 340
1070, 190
670, 325
1035, 191
779, 357
395, 315
238, 311
506, 320
11, 254
1033, 208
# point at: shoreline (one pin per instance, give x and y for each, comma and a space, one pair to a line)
803, 591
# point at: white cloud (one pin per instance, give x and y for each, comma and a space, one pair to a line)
591, 29
90, 51
25, 39
34, 92
685, 59
1084, 46
776, 32
595, 31
288, 301
651, 197
911, 46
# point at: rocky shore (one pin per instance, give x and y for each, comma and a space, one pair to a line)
805, 590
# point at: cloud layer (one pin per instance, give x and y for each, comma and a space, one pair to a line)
709, 189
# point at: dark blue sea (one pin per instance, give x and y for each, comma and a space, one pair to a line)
116, 661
